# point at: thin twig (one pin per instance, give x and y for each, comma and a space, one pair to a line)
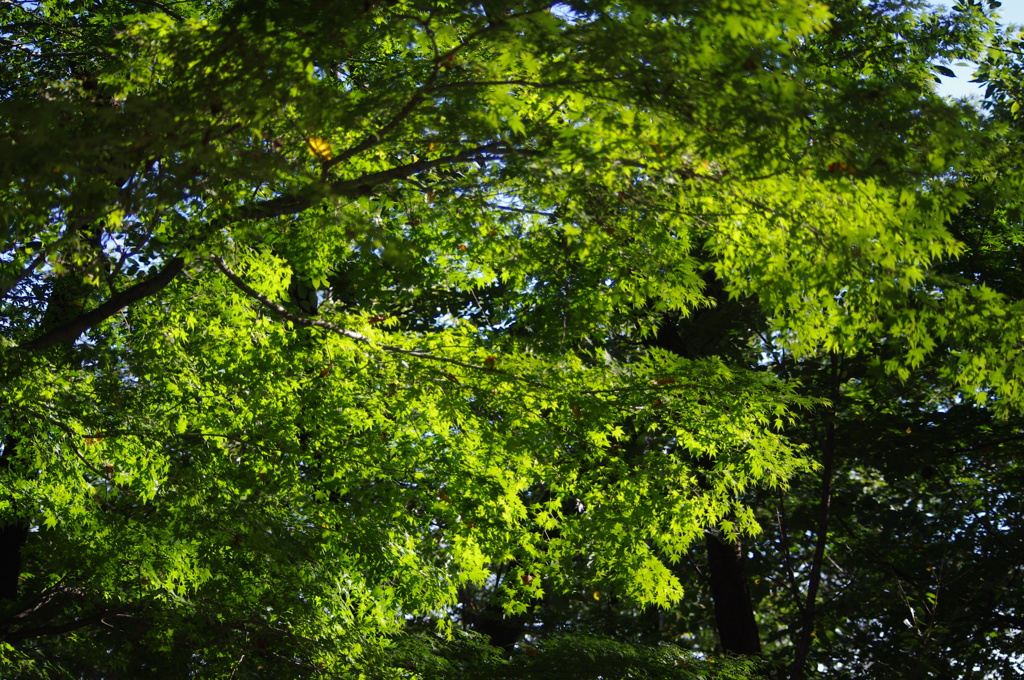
570, 82
803, 647
377, 137
74, 435
237, 664
787, 558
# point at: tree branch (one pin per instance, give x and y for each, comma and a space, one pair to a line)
25, 273
360, 186
567, 82
806, 636
787, 558
275, 207
61, 629
70, 331
327, 325
375, 138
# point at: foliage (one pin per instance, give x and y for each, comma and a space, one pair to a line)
319, 315
572, 657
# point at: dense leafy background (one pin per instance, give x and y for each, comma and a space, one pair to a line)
423, 339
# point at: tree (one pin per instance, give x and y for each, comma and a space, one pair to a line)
318, 316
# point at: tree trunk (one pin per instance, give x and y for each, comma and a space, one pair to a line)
718, 331
12, 537
734, 609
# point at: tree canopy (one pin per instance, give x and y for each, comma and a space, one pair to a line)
507, 339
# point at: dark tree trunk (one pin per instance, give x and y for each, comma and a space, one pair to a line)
734, 609
501, 630
12, 537
482, 614
720, 331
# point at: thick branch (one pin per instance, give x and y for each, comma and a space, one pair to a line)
75, 624
275, 207
44, 599
25, 273
361, 185
70, 331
